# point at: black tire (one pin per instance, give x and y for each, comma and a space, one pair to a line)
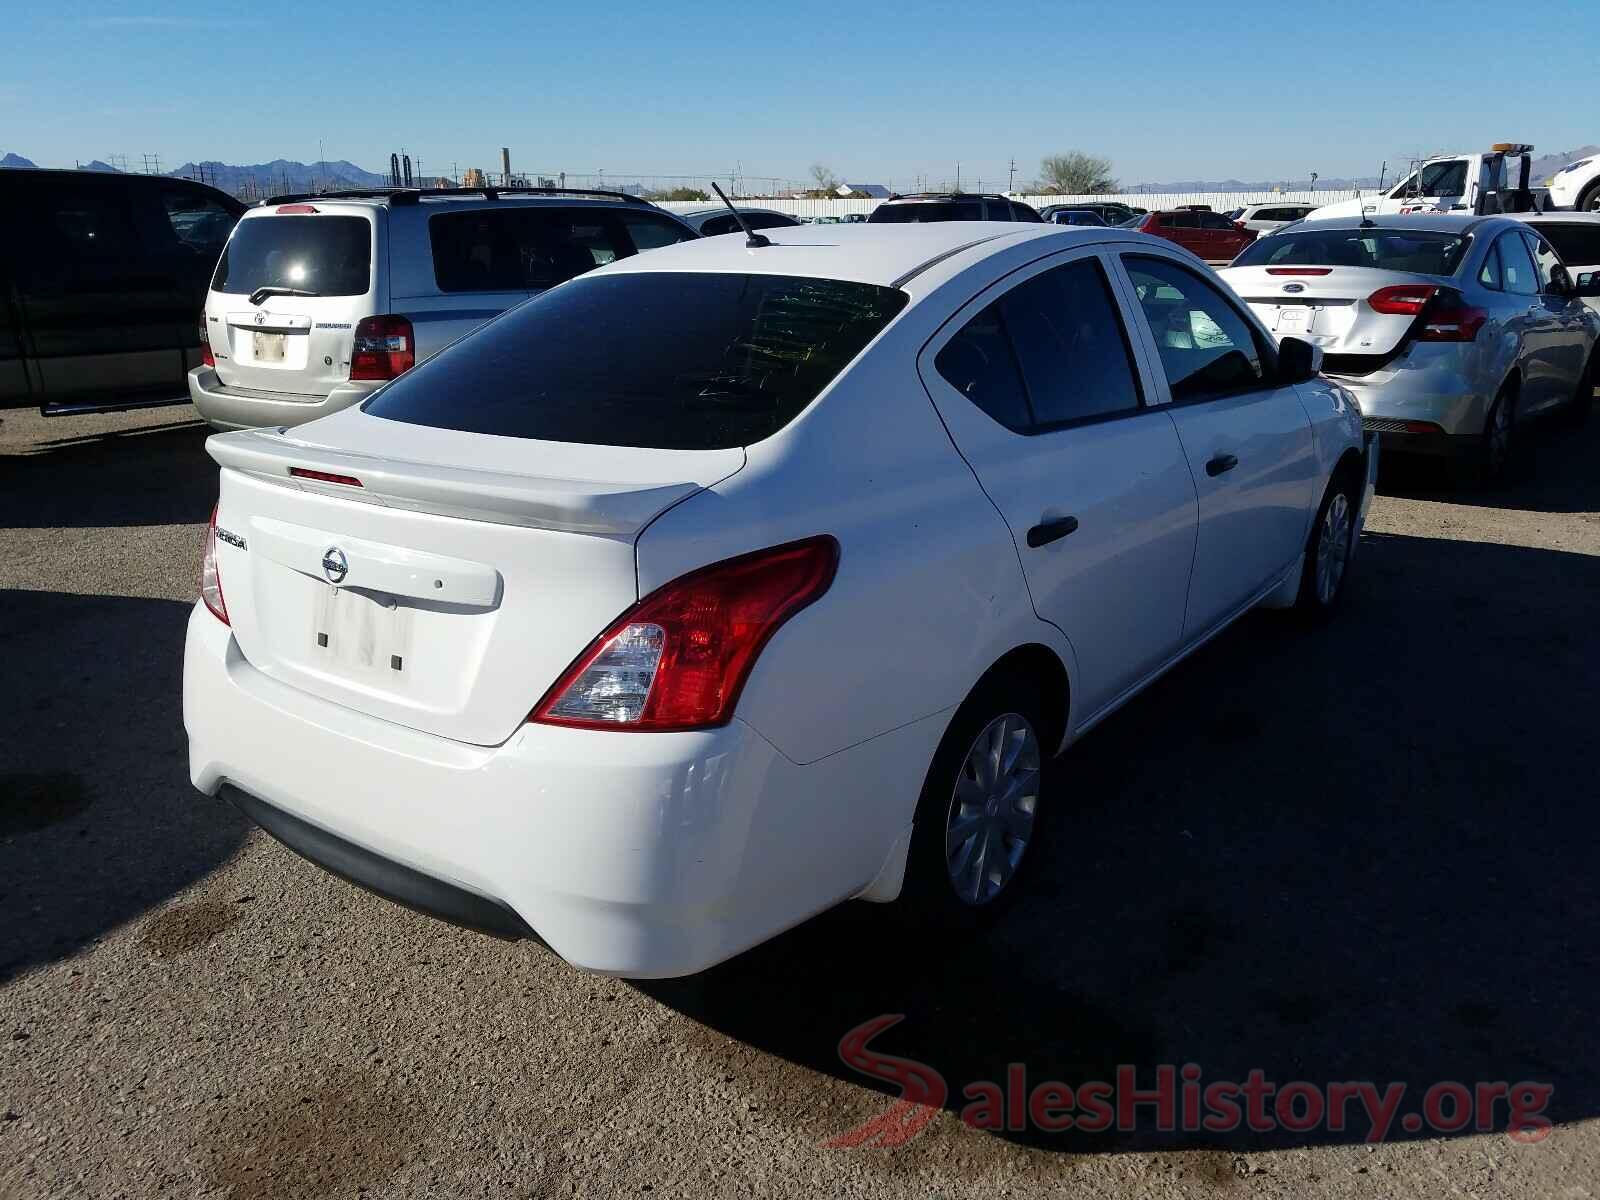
1316, 601
1590, 200
1499, 452
929, 899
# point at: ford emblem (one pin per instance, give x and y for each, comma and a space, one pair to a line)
1294, 287
335, 565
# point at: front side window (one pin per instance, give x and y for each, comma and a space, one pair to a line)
1447, 178
669, 360
320, 255
1207, 348
1545, 261
1517, 272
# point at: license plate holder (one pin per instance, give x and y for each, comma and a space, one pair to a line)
268, 347
362, 634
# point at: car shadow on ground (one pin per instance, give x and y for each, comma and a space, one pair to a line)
158, 475
1362, 852
96, 823
1554, 472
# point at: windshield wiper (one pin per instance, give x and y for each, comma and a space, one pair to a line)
261, 293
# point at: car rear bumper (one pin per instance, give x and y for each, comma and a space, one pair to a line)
643, 855
246, 408
1424, 402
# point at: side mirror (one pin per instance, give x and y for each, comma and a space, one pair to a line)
1298, 361
1561, 282
1588, 286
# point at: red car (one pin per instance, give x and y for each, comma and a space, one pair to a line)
1209, 234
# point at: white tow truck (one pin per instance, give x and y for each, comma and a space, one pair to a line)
1495, 181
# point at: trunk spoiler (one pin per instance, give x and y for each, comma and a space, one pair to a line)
571, 505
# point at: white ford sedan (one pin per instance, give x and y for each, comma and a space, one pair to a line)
729, 582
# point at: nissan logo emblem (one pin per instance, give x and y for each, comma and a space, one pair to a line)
335, 565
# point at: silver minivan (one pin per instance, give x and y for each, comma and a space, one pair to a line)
319, 300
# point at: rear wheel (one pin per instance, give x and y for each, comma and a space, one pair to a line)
977, 822
1590, 200
1328, 552
1499, 448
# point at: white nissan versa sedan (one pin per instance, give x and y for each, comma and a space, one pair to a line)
728, 582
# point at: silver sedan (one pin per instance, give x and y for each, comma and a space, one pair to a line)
1451, 331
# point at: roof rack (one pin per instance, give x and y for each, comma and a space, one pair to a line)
412, 195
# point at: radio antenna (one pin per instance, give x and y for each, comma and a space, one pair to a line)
752, 239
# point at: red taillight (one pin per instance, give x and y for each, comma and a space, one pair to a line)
210, 577
207, 359
1450, 319
679, 658
324, 476
384, 347
294, 210
1401, 299
1299, 270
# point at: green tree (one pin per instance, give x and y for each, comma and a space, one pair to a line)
682, 193
1076, 173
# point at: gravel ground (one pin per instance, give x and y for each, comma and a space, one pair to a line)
1358, 853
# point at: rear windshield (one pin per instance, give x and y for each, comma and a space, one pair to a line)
1414, 250
325, 256
928, 210
665, 360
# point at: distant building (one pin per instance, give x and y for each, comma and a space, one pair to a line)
473, 178
863, 191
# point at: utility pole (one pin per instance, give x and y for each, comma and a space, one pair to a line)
1011, 179
958, 177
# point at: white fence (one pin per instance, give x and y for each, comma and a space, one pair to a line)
1219, 201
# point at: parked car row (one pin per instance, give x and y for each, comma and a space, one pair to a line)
618, 623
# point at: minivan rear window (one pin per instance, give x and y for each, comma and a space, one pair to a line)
670, 360
322, 255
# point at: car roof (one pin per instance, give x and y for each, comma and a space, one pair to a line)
1422, 222
448, 200
1559, 217
887, 255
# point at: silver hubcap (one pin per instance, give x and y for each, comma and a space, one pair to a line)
1499, 435
1333, 547
992, 811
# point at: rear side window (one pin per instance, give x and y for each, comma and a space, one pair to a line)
649, 231
321, 255
978, 362
519, 249
199, 222
670, 360
1578, 245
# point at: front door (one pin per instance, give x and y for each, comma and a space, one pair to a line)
1247, 439
1038, 385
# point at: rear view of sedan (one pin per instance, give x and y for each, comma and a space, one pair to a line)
1450, 331
725, 583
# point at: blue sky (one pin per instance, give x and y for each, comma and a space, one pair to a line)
878, 91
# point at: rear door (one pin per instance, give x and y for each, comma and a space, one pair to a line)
1038, 384
1247, 439
1527, 315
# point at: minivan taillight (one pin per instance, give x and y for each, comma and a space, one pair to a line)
207, 359
210, 577
679, 658
384, 347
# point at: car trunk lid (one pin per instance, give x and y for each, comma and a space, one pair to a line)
1329, 306
438, 579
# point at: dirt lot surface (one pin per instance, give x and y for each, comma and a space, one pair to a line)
1365, 852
